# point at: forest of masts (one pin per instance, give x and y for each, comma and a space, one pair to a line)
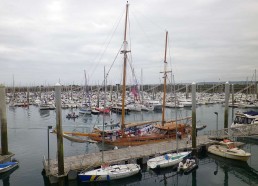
248, 88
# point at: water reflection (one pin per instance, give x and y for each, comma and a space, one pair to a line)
125, 181
86, 118
44, 113
5, 177
240, 170
12, 109
28, 111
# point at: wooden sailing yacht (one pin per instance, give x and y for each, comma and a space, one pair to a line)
169, 159
122, 138
112, 172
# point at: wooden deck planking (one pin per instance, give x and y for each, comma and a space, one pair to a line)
92, 160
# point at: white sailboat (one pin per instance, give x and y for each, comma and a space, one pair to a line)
169, 159
112, 172
166, 160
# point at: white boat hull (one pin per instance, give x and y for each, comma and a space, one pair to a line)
110, 173
85, 111
223, 152
167, 160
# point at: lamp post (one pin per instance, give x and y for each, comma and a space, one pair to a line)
49, 127
216, 122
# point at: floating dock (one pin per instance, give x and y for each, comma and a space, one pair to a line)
139, 154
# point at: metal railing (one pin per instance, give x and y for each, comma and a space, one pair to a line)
240, 131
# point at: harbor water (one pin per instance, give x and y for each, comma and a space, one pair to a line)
28, 133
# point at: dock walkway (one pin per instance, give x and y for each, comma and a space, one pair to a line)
78, 163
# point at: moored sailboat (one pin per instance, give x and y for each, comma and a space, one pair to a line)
110, 173
169, 159
122, 138
106, 172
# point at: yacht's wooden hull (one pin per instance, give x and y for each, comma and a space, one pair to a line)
113, 140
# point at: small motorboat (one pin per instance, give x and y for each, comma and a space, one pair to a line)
228, 149
245, 119
71, 116
95, 112
187, 166
103, 110
4, 167
107, 173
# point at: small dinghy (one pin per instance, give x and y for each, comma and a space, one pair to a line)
4, 167
71, 116
187, 166
95, 112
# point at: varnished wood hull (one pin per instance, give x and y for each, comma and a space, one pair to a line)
133, 141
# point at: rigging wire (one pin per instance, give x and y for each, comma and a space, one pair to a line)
106, 76
134, 78
108, 42
113, 63
145, 33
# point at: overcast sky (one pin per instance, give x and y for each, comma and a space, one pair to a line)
42, 42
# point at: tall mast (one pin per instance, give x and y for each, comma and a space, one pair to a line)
141, 87
175, 110
124, 73
103, 134
255, 86
165, 81
13, 90
85, 87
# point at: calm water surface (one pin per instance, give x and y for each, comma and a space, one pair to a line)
27, 135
